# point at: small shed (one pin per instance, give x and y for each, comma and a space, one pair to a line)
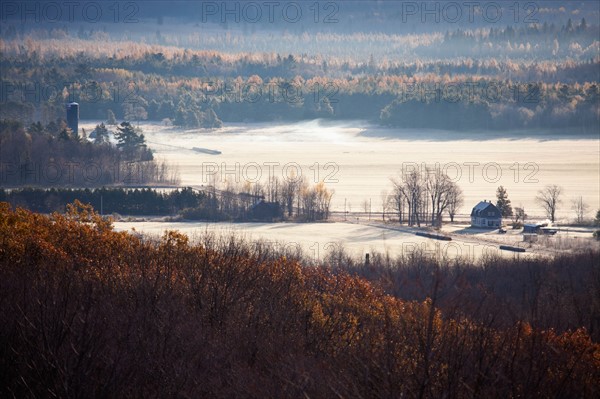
533, 228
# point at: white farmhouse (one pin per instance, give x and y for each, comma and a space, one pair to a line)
486, 214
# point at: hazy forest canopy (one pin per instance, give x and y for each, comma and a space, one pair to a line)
225, 318
494, 76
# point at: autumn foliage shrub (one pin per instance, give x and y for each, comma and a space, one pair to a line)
89, 312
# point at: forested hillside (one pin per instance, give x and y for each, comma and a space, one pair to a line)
533, 76
86, 312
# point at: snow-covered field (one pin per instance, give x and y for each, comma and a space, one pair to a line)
317, 240
357, 159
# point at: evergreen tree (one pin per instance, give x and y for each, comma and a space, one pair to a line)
503, 203
194, 119
180, 118
128, 139
211, 120
166, 109
101, 134
569, 27
583, 25
111, 120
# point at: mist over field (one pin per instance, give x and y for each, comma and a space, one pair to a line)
285, 199
357, 159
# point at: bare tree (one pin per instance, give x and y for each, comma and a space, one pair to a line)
385, 203
549, 199
520, 215
323, 199
257, 190
305, 198
580, 208
426, 195
455, 201
397, 200
273, 189
411, 187
289, 189
438, 187
365, 206
308, 196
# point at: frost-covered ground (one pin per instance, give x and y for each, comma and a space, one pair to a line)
317, 240
357, 159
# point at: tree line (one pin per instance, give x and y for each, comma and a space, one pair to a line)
293, 200
53, 155
276, 199
549, 198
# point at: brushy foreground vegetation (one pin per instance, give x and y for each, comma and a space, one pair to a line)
89, 312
